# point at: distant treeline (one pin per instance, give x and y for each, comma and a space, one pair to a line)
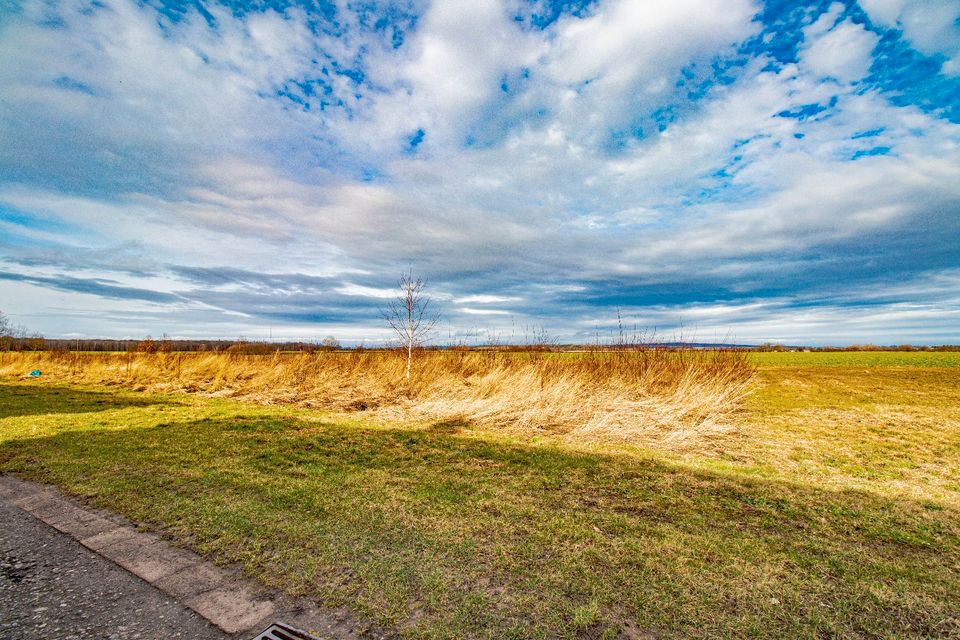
859, 347
150, 345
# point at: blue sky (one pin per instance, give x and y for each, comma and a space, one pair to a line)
725, 169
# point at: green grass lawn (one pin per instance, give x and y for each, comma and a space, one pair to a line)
445, 531
870, 359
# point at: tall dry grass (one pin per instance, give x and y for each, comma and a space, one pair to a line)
679, 399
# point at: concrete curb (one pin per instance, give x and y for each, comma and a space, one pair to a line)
237, 605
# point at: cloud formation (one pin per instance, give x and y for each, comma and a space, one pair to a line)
782, 171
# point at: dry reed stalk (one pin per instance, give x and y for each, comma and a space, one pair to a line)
675, 399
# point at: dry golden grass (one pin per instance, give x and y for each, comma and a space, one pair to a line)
677, 399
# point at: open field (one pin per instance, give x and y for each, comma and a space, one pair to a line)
870, 359
832, 509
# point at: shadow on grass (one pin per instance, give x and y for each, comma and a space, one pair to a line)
39, 399
473, 537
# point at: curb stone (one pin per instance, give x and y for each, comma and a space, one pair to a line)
237, 605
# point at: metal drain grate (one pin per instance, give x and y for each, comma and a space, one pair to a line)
280, 631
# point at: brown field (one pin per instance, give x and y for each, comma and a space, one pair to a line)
681, 399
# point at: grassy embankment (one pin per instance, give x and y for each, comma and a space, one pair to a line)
682, 398
833, 510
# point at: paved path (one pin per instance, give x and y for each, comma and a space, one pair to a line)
53, 587
70, 571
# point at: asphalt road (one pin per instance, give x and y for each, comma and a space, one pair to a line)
52, 588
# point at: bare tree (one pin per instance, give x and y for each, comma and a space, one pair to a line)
6, 333
410, 316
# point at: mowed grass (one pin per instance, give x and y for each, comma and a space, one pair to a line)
887, 423
833, 513
866, 359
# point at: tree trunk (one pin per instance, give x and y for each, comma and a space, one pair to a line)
409, 358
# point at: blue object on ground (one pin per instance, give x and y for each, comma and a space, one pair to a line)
35, 373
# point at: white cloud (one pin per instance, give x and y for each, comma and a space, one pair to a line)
841, 51
184, 155
367, 292
482, 312
486, 299
654, 37
626, 57
444, 76
932, 26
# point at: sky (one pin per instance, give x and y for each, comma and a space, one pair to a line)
717, 170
